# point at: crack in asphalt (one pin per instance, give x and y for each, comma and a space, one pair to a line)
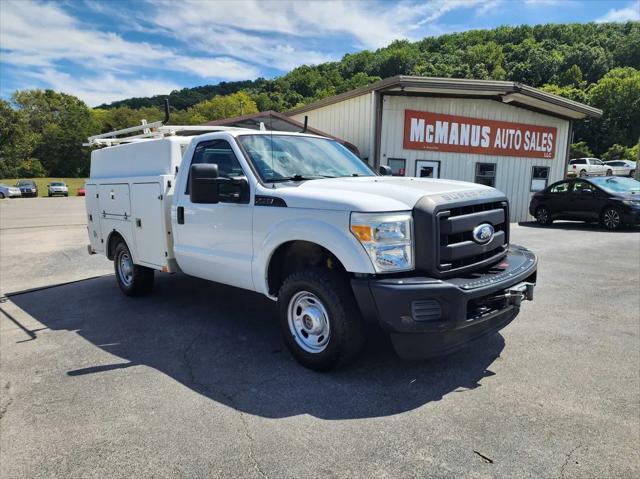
245, 426
566, 461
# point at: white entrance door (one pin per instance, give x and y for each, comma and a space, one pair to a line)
427, 169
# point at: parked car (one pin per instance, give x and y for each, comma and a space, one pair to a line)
622, 167
583, 167
613, 202
339, 247
57, 188
81, 191
27, 188
7, 191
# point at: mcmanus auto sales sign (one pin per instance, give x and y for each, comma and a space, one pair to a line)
460, 134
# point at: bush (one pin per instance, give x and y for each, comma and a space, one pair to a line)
619, 152
580, 150
31, 168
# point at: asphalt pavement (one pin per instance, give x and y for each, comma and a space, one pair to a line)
195, 381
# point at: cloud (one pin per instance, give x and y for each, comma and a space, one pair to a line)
102, 88
626, 14
43, 35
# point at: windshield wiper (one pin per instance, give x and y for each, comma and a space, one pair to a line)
297, 177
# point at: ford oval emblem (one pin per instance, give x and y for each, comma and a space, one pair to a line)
483, 233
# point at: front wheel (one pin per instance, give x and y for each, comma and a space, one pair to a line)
132, 279
543, 216
632, 173
611, 218
319, 319
609, 172
1, 196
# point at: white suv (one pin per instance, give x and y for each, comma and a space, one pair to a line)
588, 167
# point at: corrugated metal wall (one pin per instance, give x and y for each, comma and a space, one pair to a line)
513, 174
352, 120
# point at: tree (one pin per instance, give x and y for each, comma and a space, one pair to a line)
17, 141
224, 106
619, 152
580, 150
62, 123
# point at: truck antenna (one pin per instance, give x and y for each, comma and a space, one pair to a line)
306, 121
166, 111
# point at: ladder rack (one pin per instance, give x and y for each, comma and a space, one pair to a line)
150, 131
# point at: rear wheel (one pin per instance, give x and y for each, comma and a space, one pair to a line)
133, 280
583, 173
319, 319
632, 173
611, 218
1, 196
543, 216
609, 172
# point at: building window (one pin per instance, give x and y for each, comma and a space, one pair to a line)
398, 166
539, 178
486, 174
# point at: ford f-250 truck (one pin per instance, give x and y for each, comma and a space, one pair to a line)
302, 220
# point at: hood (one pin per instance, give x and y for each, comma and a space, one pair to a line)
375, 193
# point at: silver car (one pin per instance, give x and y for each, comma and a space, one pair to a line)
7, 191
622, 167
57, 188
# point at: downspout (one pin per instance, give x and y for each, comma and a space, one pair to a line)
378, 101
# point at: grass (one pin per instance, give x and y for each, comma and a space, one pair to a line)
72, 183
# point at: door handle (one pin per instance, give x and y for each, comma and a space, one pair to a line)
180, 215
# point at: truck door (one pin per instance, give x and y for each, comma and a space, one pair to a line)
214, 241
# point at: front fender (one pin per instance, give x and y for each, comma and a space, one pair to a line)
340, 243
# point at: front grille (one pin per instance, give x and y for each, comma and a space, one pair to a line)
456, 249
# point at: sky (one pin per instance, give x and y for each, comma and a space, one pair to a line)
111, 50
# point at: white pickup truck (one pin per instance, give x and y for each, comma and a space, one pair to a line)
302, 220
588, 167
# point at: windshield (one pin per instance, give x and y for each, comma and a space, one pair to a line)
286, 157
57, 183
24, 183
617, 185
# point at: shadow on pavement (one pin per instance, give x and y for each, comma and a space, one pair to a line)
224, 343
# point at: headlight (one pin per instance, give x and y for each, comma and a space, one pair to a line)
632, 203
387, 238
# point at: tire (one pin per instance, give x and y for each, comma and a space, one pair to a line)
49, 195
1, 196
611, 218
583, 173
632, 173
319, 319
609, 172
132, 279
543, 216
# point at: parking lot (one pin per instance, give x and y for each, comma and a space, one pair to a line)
195, 381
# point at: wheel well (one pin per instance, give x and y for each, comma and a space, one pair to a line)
114, 239
296, 256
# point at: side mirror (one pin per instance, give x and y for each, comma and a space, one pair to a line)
385, 170
203, 187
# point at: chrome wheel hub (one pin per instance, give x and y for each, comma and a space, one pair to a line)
308, 322
125, 268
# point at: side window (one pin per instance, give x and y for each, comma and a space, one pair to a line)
486, 174
579, 186
219, 152
596, 162
560, 188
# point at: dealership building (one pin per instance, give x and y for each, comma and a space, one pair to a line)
498, 133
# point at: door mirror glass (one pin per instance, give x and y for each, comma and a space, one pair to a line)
203, 185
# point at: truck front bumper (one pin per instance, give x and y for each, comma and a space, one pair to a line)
428, 317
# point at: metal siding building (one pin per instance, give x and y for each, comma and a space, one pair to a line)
373, 118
